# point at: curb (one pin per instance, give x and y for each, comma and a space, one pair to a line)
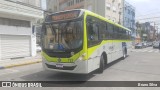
20, 64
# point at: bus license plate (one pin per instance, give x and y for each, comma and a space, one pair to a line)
59, 65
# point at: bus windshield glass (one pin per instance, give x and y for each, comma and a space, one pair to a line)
62, 36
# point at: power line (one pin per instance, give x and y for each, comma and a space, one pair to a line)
149, 18
157, 13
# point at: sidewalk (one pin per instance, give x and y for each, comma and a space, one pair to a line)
20, 62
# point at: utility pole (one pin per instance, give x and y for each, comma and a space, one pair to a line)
158, 34
120, 16
154, 36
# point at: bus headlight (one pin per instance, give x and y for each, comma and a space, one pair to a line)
82, 57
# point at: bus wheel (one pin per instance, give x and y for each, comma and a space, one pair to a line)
124, 53
101, 67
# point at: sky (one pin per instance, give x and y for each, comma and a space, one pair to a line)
43, 4
146, 8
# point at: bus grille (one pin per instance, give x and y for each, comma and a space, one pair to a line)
64, 67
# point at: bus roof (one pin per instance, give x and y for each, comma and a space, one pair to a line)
96, 15
105, 19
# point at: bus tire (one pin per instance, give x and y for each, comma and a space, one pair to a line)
101, 67
124, 53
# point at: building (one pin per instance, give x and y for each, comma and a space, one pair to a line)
17, 36
129, 18
146, 31
151, 33
111, 9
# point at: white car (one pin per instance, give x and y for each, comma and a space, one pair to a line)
38, 48
156, 44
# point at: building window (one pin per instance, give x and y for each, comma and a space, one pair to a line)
81, 0
77, 1
125, 19
14, 22
129, 11
108, 6
70, 3
114, 9
108, 17
114, 19
89, 7
125, 8
133, 14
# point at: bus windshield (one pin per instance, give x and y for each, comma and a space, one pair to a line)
62, 36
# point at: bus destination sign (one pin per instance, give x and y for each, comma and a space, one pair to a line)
65, 15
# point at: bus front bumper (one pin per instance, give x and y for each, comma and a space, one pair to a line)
79, 66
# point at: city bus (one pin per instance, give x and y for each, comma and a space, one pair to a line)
80, 41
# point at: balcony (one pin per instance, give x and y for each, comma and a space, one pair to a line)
17, 9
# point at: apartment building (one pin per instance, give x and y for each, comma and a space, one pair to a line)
129, 17
146, 31
17, 35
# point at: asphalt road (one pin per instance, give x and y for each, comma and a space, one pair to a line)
140, 65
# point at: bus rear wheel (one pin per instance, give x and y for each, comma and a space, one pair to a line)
102, 64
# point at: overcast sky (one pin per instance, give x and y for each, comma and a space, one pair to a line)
146, 8
43, 4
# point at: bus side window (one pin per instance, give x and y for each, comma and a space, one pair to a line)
115, 32
122, 34
93, 31
126, 35
129, 35
119, 33
106, 31
110, 30
90, 29
102, 30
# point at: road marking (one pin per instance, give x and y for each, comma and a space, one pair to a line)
143, 50
157, 51
138, 50
147, 50
150, 51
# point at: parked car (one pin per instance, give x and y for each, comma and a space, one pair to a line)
138, 46
149, 44
144, 44
38, 48
156, 44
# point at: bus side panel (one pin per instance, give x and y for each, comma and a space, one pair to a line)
85, 39
117, 52
96, 52
94, 58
